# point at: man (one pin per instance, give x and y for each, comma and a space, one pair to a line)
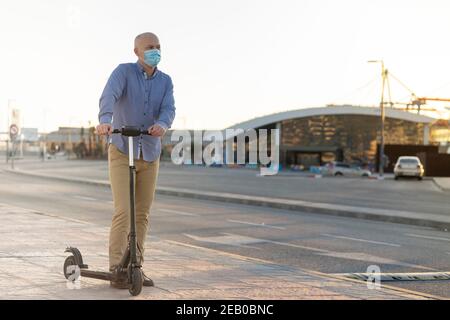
136, 94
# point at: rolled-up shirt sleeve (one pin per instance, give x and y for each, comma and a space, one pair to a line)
111, 93
167, 111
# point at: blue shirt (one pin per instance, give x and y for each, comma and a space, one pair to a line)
133, 98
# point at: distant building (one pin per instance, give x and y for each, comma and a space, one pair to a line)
314, 136
82, 142
29, 134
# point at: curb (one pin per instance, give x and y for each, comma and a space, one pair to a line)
439, 186
381, 215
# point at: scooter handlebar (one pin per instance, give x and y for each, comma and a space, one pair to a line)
129, 131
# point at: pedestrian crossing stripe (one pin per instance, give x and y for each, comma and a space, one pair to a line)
412, 276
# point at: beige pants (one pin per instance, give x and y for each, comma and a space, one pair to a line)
146, 175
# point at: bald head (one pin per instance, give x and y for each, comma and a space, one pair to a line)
145, 38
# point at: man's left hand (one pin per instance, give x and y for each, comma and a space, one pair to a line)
156, 130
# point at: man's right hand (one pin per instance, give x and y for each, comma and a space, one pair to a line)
104, 129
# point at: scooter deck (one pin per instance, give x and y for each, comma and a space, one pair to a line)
97, 274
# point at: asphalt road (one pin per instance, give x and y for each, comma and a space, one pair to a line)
404, 195
312, 241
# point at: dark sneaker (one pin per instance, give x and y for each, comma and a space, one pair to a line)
147, 281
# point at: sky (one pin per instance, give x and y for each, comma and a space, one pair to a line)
229, 60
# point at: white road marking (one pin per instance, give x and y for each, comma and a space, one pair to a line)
296, 246
257, 224
426, 237
181, 213
244, 241
362, 256
85, 198
231, 240
362, 240
238, 240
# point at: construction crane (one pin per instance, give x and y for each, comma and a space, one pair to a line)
415, 101
420, 101
432, 99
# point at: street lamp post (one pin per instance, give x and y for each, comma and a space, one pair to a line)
44, 147
384, 74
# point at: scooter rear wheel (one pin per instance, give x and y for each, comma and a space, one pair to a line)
136, 281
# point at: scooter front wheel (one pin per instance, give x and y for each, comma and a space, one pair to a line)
136, 281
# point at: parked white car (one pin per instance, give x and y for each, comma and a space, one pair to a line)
407, 166
336, 168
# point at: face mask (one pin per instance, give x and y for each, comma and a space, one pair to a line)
152, 57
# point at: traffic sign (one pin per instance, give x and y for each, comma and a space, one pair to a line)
13, 131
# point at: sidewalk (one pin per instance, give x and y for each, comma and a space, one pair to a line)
32, 254
424, 219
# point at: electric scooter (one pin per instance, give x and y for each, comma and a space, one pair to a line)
129, 262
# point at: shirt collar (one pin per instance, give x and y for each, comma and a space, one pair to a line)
142, 70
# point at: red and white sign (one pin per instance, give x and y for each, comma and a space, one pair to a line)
13, 131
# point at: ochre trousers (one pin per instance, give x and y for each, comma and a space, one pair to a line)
145, 182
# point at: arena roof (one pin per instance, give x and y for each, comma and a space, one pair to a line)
330, 110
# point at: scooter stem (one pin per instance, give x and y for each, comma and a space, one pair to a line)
133, 243
130, 151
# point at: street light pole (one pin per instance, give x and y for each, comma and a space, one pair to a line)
44, 147
384, 75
